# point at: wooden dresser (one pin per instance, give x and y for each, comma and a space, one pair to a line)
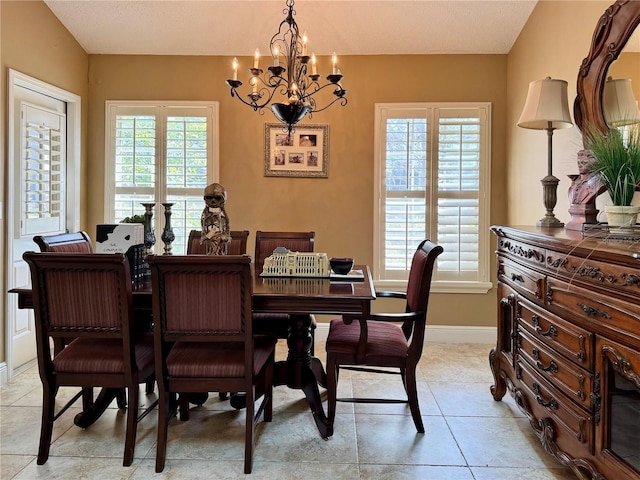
568, 347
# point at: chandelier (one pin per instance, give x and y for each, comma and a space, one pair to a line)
287, 83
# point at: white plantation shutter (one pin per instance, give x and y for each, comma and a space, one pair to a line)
432, 172
43, 171
161, 153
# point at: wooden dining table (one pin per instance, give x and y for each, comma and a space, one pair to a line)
297, 296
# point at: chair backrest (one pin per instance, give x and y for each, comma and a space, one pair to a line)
419, 286
88, 297
267, 242
200, 298
78, 242
237, 246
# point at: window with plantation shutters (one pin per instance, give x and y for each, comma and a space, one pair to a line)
432, 181
161, 153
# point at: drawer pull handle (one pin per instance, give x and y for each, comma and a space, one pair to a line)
553, 367
516, 277
552, 332
589, 310
553, 403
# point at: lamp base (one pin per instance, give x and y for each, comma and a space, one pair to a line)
549, 191
551, 222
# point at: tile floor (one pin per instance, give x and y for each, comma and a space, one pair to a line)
468, 435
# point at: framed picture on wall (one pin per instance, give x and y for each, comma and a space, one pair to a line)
304, 153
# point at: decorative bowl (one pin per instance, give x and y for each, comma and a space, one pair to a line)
341, 265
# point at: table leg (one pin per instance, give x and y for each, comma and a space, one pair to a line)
301, 370
87, 417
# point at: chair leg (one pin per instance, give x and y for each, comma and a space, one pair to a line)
87, 398
121, 398
150, 385
132, 425
46, 429
249, 430
164, 416
268, 390
183, 406
412, 396
332, 387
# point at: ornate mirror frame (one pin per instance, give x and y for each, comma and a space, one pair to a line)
612, 32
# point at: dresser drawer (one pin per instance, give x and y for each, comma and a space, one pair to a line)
575, 382
521, 251
527, 282
569, 340
598, 273
573, 423
593, 308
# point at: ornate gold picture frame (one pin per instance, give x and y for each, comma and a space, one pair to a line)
304, 153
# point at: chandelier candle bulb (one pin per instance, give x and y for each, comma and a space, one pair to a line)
235, 68
256, 60
314, 70
334, 60
276, 54
304, 44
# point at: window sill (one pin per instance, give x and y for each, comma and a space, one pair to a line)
437, 286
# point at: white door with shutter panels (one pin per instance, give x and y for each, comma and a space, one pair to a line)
37, 191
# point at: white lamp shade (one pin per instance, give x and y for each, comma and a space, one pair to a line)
619, 105
546, 105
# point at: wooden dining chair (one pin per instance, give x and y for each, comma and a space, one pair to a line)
76, 242
91, 298
204, 338
376, 340
237, 245
266, 242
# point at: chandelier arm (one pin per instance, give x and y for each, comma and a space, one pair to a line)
255, 106
343, 101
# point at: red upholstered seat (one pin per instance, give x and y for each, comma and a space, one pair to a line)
383, 339
90, 355
369, 342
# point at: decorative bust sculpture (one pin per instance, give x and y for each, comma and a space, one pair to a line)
584, 189
215, 221
585, 186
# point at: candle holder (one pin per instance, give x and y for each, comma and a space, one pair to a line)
167, 234
149, 236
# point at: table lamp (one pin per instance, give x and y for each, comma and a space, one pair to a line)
547, 108
618, 103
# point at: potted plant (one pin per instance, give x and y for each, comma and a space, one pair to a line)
617, 161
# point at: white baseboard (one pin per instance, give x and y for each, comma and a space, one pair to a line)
440, 334
4, 373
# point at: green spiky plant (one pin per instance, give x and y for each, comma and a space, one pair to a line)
617, 161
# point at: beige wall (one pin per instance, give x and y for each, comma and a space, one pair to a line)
339, 209
553, 43
35, 43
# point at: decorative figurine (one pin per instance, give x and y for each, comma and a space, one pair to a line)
215, 221
586, 186
584, 189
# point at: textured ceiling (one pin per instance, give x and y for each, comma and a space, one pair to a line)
349, 27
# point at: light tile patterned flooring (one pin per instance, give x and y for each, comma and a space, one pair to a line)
468, 435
